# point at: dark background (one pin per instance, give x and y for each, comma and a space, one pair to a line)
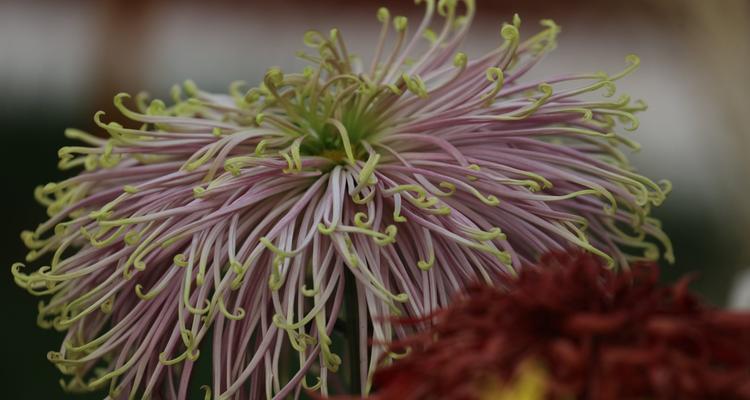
62, 61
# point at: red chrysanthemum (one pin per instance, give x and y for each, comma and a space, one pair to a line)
596, 333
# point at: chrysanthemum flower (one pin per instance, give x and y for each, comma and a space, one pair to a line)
240, 219
569, 329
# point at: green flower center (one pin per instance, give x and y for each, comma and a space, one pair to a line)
330, 109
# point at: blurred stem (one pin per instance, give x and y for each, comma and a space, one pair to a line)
352, 332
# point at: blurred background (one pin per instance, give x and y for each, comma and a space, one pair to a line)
61, 61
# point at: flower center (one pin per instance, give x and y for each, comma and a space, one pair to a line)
329, 110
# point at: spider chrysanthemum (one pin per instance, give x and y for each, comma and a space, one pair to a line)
235, 222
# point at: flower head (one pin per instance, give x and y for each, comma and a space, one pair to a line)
569, 329
244, 216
